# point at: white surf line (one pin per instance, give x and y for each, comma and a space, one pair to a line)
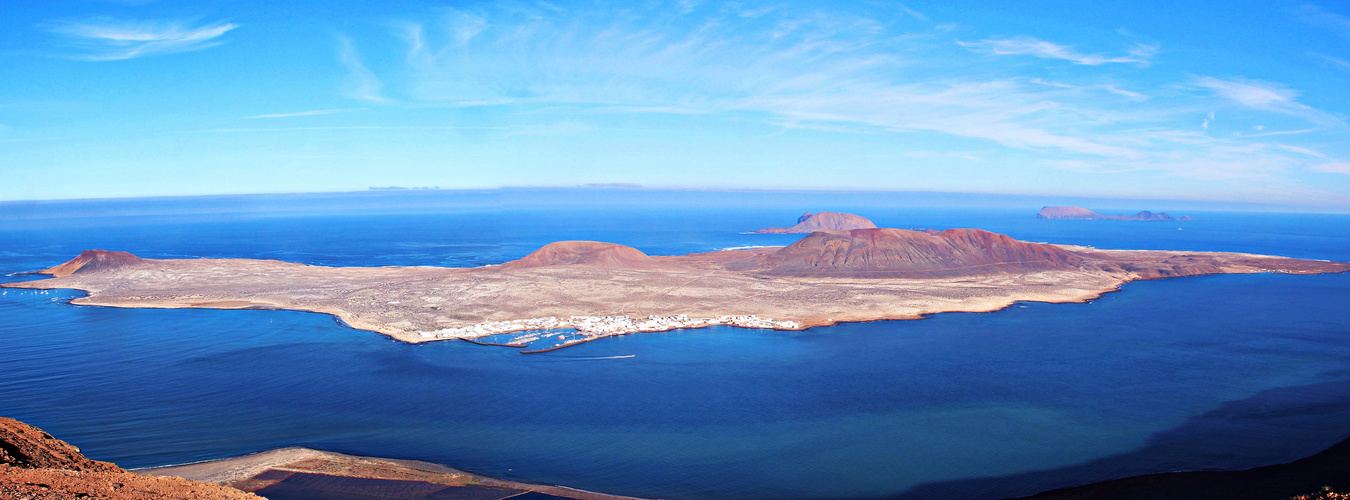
747, 247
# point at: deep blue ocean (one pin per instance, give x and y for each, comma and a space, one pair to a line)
1214, 372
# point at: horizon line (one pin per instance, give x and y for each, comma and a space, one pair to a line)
628, 187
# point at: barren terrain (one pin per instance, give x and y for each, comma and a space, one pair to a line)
606, 289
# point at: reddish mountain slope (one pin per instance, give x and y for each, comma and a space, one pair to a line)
93, 261
36, 466
27, 447
810, 223
899, 253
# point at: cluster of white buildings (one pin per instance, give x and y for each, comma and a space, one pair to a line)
601, 326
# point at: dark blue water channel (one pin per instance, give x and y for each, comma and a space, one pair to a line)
1194, 373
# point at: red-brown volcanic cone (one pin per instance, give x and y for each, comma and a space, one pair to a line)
93, 261
900, 253
586, 253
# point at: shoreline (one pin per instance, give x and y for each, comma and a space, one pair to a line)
258, 471
418, 337
89, 301
295, 469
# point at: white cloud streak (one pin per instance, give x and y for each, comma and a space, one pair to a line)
1320, 16
1300, 150
1139, 54
105, 39
1332, 168
361, 84
912, 12
838, 72
1113, 89
1265, 96
1344, 64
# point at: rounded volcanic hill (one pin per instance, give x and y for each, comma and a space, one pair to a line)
1067, 213
596, 254
93, 261
810, 223
900, 253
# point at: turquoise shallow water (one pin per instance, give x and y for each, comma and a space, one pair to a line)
1184, 374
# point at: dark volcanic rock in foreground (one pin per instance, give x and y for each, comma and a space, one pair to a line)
901, 253
1077, 213
36, 466
810, 223
1330, 468
93, 261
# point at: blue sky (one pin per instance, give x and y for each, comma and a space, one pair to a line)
1229, 101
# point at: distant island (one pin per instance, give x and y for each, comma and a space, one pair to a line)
810, 223
401, 188
570, 292
1077, 213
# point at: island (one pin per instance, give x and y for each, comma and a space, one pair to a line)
1077, 213
570, 292
810, 223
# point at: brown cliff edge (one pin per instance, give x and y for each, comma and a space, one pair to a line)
36, 466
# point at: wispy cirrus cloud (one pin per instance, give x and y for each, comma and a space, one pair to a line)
361, 84
913, 13
1264, 96
802, 70
1139, 54
1301, 150
1332, 168
844, 71
1109, 88
1344, 64
107, 39
1320, 16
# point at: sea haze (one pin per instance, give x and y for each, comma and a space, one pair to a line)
1214, 372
